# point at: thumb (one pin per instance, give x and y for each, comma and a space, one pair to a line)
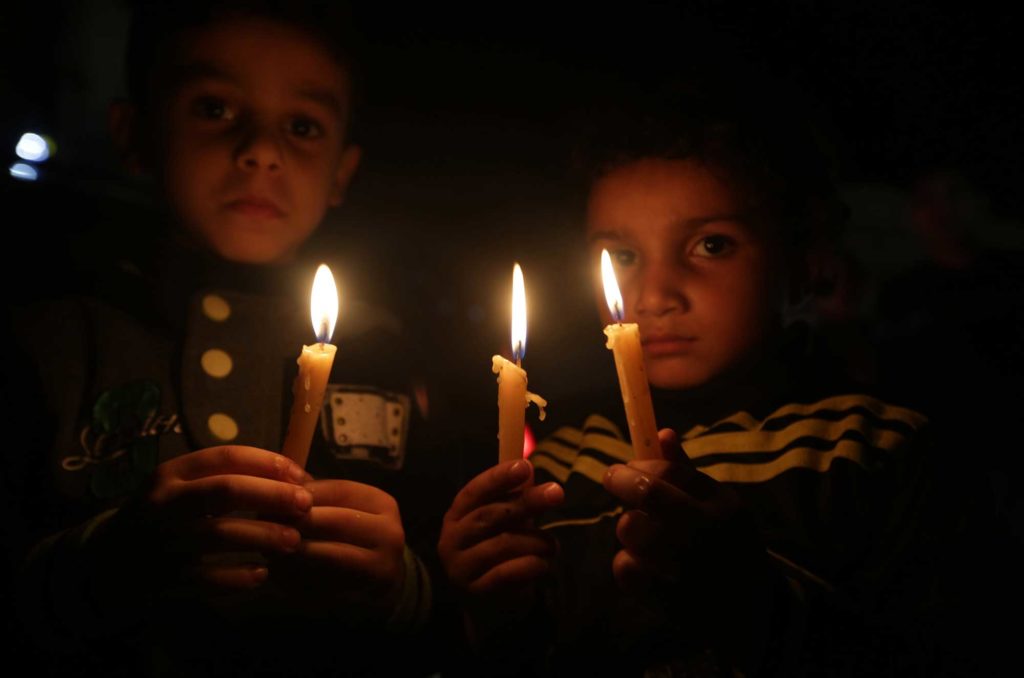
671, 449
676, 467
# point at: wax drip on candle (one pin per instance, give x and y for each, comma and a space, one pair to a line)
498, 364
540, 402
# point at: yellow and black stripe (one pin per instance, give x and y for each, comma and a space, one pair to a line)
742, 449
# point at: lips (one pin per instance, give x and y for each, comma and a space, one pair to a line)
252, 206
657, 345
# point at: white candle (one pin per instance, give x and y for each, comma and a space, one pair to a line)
315, 363
512, 394
624, 341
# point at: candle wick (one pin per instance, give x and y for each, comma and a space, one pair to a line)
519, 363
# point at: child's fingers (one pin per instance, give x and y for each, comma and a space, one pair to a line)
643, 491
491, 519
353, 495
642, 572
489, 486
475, 562
234, 460
352, 566
630, 574
368, 530
487, 521
671, 450
510, 573
230, 533
542, 497
225, 493
639, 532
230, 576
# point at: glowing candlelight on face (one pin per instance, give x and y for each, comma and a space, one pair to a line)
624, 341
512, 394
315, 363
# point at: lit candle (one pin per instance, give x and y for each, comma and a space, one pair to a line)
512, 394
624, 341
314, 369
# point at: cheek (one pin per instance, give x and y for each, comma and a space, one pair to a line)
742, 305
191, 169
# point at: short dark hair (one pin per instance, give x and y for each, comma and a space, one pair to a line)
157, 28
748, 131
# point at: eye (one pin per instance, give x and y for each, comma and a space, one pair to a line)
713, 246
305, 128
623, 257
213, 108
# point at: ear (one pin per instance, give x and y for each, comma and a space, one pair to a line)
122, 123
347, 166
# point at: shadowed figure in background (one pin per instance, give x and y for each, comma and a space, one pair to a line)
951, 343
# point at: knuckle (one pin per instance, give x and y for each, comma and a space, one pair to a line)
389, 504
492, 516
483, 517
227, 455
278, 466
285, 495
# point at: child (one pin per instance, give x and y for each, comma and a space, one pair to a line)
774, 538
179, 540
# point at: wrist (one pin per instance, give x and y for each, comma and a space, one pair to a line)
411, 600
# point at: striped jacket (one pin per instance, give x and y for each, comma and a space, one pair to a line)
835, 486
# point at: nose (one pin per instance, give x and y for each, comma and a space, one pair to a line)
661, 291
259, 149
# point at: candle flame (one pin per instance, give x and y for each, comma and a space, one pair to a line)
611, 287
323, 304
518, 314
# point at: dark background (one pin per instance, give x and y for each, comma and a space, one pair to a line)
467, 126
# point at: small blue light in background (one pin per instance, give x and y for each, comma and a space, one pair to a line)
23, 171
32, 147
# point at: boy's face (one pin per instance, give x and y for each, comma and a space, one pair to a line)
250, 140
695, 272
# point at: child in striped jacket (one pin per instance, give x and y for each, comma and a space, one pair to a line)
783, 530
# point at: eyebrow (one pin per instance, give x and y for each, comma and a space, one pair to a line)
183, 74
686, 224
204, 70
323, 97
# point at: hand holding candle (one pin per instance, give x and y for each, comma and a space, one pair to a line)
512, 394
624, 341
315, 363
